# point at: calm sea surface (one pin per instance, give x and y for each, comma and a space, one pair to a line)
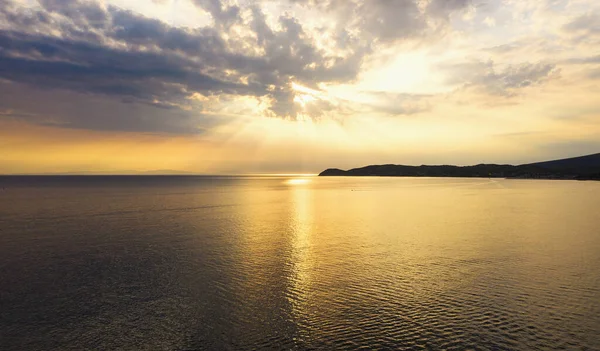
238, 263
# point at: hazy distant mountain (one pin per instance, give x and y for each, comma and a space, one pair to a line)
584, 167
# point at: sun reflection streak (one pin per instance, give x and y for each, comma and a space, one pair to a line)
297, 181
302, 261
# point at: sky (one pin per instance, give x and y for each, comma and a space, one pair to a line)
294, 86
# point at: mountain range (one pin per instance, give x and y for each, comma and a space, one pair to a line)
581, 168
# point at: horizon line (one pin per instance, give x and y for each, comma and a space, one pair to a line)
149, 174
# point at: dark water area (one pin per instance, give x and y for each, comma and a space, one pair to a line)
240, 263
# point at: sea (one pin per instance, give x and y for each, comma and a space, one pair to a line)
298, 263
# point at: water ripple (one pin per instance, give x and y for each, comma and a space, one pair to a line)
262, 266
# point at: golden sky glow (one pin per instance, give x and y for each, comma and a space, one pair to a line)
295, 87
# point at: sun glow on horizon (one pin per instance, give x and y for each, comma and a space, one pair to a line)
297, 181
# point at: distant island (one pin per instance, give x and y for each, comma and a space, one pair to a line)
579, 168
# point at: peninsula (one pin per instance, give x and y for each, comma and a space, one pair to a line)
580, 168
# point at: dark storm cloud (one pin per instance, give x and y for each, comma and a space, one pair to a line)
88, 48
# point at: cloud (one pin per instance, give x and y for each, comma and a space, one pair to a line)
224, 15
110, 51
490, 22
93, 48
386, 21
584, 28
396, 104
485, 76
60, 108
594, 74
586, 24
583, 60
443, 8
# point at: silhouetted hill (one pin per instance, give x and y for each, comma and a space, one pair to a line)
584, 167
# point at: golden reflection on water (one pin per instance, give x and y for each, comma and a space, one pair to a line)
310, 263
297, 181
313, 256
302, 224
